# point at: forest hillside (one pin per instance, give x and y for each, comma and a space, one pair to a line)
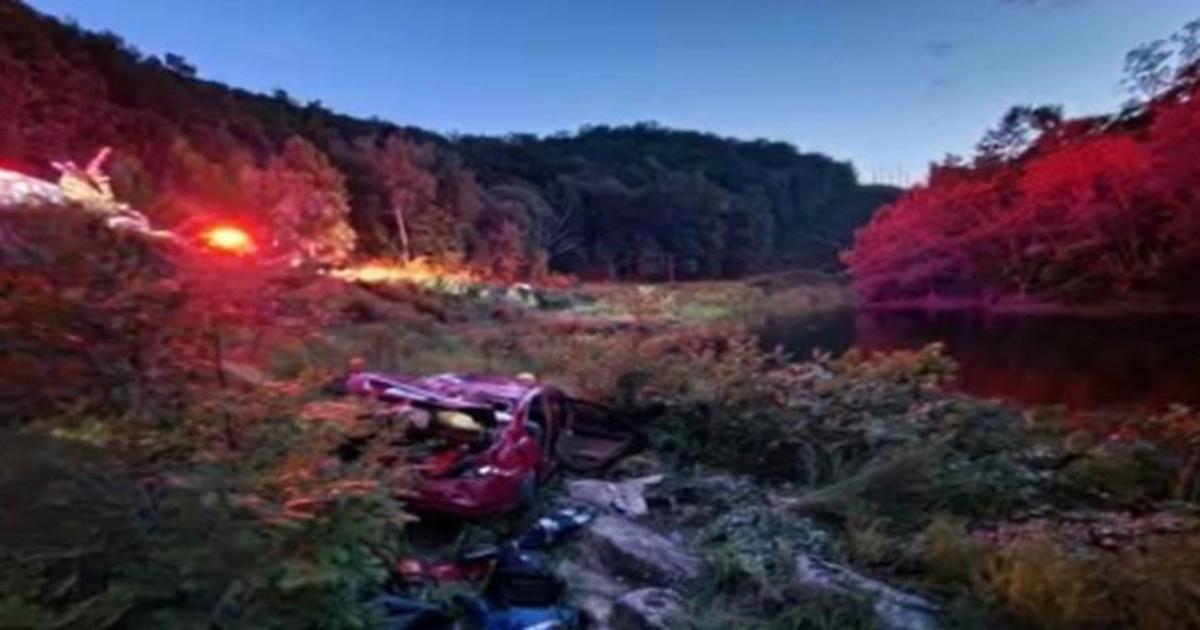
635, 202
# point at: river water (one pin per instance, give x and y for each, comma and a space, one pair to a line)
1084, 363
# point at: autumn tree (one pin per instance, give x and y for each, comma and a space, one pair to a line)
638, 201
1155, 67
1017, 130
304, 201
1065, 210
409, 188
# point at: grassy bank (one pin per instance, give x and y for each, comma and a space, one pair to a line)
174, 470
1005, 517
708, 302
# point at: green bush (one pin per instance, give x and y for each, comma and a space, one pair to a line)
92, 542
153, 476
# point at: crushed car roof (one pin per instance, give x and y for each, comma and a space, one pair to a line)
484, 388
456, 389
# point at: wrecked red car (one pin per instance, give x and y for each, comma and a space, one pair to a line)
494, 439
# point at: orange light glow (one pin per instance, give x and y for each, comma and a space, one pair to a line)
229, 239
419, 270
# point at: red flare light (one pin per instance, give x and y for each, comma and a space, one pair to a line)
230, 239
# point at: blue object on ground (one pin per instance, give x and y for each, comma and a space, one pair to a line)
524, 618
403, 613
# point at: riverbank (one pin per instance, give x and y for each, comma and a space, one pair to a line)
968, 513
706, 302
798, 491
1085, 363
982, 513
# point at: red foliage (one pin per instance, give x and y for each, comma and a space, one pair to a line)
1092, 212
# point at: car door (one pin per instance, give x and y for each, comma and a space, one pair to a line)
593, 436
541, 423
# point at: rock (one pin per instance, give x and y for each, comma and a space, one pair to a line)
896, 609
522, 294
637, 553
585, 580
649, 609
627, 497
593, 592
695, 502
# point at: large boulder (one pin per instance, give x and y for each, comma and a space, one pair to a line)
649, 609
592, 591
627, 497
637, 553
896, 609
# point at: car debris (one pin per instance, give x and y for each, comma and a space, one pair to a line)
478, 564
525, 617
520, 591
481, 445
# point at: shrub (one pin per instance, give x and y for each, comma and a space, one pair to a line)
163, 480
1041, 586
82, 313
928, 367
1177, 432
739, 592
948, 551
1048, 585
91, 543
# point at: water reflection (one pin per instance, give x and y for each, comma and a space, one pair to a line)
1081, 362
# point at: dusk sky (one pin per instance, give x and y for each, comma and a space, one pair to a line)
888, 84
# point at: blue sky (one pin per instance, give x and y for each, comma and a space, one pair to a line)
888, 84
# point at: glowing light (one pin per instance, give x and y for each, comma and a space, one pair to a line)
420, 271
229, 239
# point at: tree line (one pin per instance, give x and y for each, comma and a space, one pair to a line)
1052, 209
632, 202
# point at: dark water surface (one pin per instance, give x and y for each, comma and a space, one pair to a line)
1082, 362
